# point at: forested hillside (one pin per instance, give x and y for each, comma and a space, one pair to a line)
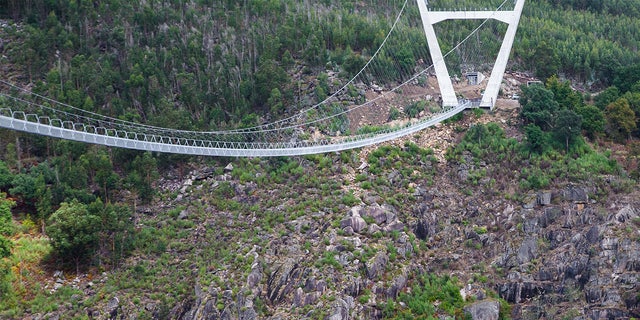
219, 61
540, 208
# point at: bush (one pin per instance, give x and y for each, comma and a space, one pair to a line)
6, 229
74, 232
534, 179
394, 114
414, 109
431, 288
329, 258
350, 199
6, 221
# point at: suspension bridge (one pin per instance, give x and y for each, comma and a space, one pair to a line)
316, 129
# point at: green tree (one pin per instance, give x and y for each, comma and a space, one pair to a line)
568, 126
5, 251
25, 186
5, 176
626, 76
99, 168
269, 76
592, 120
621, 120
44, 201
6, 220
353, 63
143, 175
538, 106
537, 140
606, 97
635, 88
116, 231
287, 59
275, 102
73, 231
11, 157
33, 189
634, 103
546, 60
315, 52
321, 95
6, 229
563, 93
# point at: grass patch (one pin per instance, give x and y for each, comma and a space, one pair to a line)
25, 277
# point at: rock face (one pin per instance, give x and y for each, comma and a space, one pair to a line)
112, 308
283, 280
341, 310
576, 194
427, 224
549, 254
486, 310
377, 213
527, 251
375, 267
552, 248
517, 292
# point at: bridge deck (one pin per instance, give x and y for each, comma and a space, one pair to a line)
45, 126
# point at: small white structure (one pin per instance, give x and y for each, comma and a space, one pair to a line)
474, 78
430, 18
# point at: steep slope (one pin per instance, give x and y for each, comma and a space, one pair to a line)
353, 236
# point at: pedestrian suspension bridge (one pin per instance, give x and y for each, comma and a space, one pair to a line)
329, 126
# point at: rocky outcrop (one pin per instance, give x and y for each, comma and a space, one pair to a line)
544, 253
397, 285
519, 291
574, 252
484, 310
377, 213
427, 222
376, 266
576, 194
354, 224
282, 281
341, 308
113, 307
527, 251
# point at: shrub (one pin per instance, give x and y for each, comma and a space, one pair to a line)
414, 109
394, 114
329, 258
431, 288
74, 231
350, 199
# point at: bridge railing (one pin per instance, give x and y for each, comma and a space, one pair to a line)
87, 125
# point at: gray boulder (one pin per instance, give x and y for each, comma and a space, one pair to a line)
377, 213
255, 276
485, 310
528, 250
544, 198
625, 214
112, 308
356, 223
576, 194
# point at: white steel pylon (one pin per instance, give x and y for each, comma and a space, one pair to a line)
430, 18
